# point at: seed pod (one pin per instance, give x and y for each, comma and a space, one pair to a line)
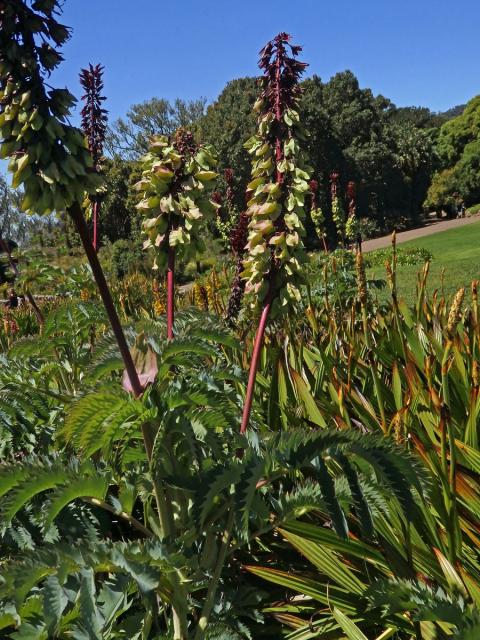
388, 269
455, 311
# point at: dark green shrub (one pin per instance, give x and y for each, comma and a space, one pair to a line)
126, 257
405, 257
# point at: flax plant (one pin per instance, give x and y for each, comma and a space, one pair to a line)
363, 299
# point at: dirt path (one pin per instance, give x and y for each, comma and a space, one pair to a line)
429, 229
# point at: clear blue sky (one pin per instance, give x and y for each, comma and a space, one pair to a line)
419, 52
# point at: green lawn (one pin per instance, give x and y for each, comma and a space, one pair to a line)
457, 251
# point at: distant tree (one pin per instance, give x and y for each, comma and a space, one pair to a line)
458, 149
420, 117
455, 134
118, 220
128, 137
14, 225
227, 124
414, 157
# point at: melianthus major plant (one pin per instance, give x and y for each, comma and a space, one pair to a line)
48, 156
338, 213
273, 266
352, 225
317, 215
178, 176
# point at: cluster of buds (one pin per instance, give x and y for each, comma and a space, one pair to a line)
351, 197
228, 174
94, 116
238, 241
238, 237
176, 186
352, 226
361, 279
200, 296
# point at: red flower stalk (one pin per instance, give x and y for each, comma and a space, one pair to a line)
94, 124
217, 198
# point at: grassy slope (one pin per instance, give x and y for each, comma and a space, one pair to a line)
457, 251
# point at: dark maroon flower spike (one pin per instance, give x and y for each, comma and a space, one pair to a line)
313, 184
281, 75
238, 241
334, 176
280, 96
94, 124
184, 142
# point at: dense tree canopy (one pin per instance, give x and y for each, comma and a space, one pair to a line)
458, 151
129, 137
14, 225
227, 124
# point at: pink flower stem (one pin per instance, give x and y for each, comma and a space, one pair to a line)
95, 222
170, 291
257, 348
82, 229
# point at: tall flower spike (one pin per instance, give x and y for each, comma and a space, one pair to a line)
278, 187
351, 197
94, 116
279, 182
94, 125
48, 156
454, 314
338, 214
352, 226
176, 186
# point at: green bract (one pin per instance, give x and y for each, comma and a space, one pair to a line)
275, 247
352, 227
48, 157
176, 185
338, 216
280, 181
318, 220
